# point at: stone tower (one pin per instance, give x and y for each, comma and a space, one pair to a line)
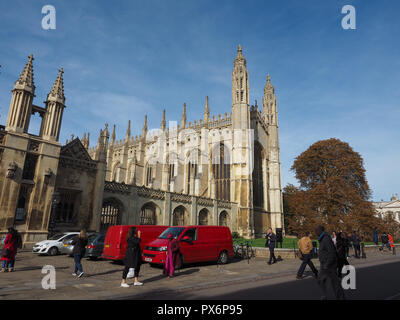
55, 104
21, 101
241, 158
270, 114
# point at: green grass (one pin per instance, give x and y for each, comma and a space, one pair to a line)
288, 243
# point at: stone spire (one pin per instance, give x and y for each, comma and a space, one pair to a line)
113, 136
183, 121
25, 80
239, 56
128, 132
57, 91
163, 121
55, 104
20, 110
144, 131
270, 110
240, 92
206, 111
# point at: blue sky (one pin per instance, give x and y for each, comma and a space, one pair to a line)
124, 59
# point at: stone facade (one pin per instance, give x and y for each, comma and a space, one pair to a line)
388, 207
221, 170
32, 167
232, 157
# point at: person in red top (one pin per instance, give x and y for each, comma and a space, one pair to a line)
11, 242
391, 242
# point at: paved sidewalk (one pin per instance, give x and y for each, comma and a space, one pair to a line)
102, 278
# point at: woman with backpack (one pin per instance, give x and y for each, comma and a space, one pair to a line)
11, 243
80, 242
133, 257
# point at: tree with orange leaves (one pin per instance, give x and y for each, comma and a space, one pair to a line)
333, 191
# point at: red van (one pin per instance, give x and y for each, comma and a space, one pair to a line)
198, 243
115, 243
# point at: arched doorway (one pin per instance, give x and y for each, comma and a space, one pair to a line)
180, 216
203, 217
223, 219
110, 214
148, 214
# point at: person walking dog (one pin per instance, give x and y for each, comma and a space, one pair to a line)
270, 243
305, 247
133, 257
80, 242
328, 264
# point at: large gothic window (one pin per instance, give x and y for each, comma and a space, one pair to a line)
258, 185
191, 173
222, 172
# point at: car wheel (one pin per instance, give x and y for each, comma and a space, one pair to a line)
53, 251
223, 257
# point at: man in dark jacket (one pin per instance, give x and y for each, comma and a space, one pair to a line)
328, 264
356, 244
385, 241
270, 243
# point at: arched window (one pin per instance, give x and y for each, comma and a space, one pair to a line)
180, 216
149, 175
203, 217
222, 172
223, 219
110, 214
148, 214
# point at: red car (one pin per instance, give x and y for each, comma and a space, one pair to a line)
197, 243
115, 243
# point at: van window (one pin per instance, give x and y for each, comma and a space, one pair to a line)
191, 233
175, 231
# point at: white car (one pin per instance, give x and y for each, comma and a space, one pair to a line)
53, 245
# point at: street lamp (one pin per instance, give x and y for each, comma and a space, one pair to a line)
55, 200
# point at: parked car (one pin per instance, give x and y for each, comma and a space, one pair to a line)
115, 242
197, 243
67, 246
53, 245
95, 246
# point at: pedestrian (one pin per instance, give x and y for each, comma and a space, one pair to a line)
385, 241
328, 264
270, 243
375, 236
173, 256
12, 242
391, 242
305, 247
341, 253
80, 242
333, 236
356, 244
133, 257
346, 244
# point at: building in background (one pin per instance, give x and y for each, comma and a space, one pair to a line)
388, 207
